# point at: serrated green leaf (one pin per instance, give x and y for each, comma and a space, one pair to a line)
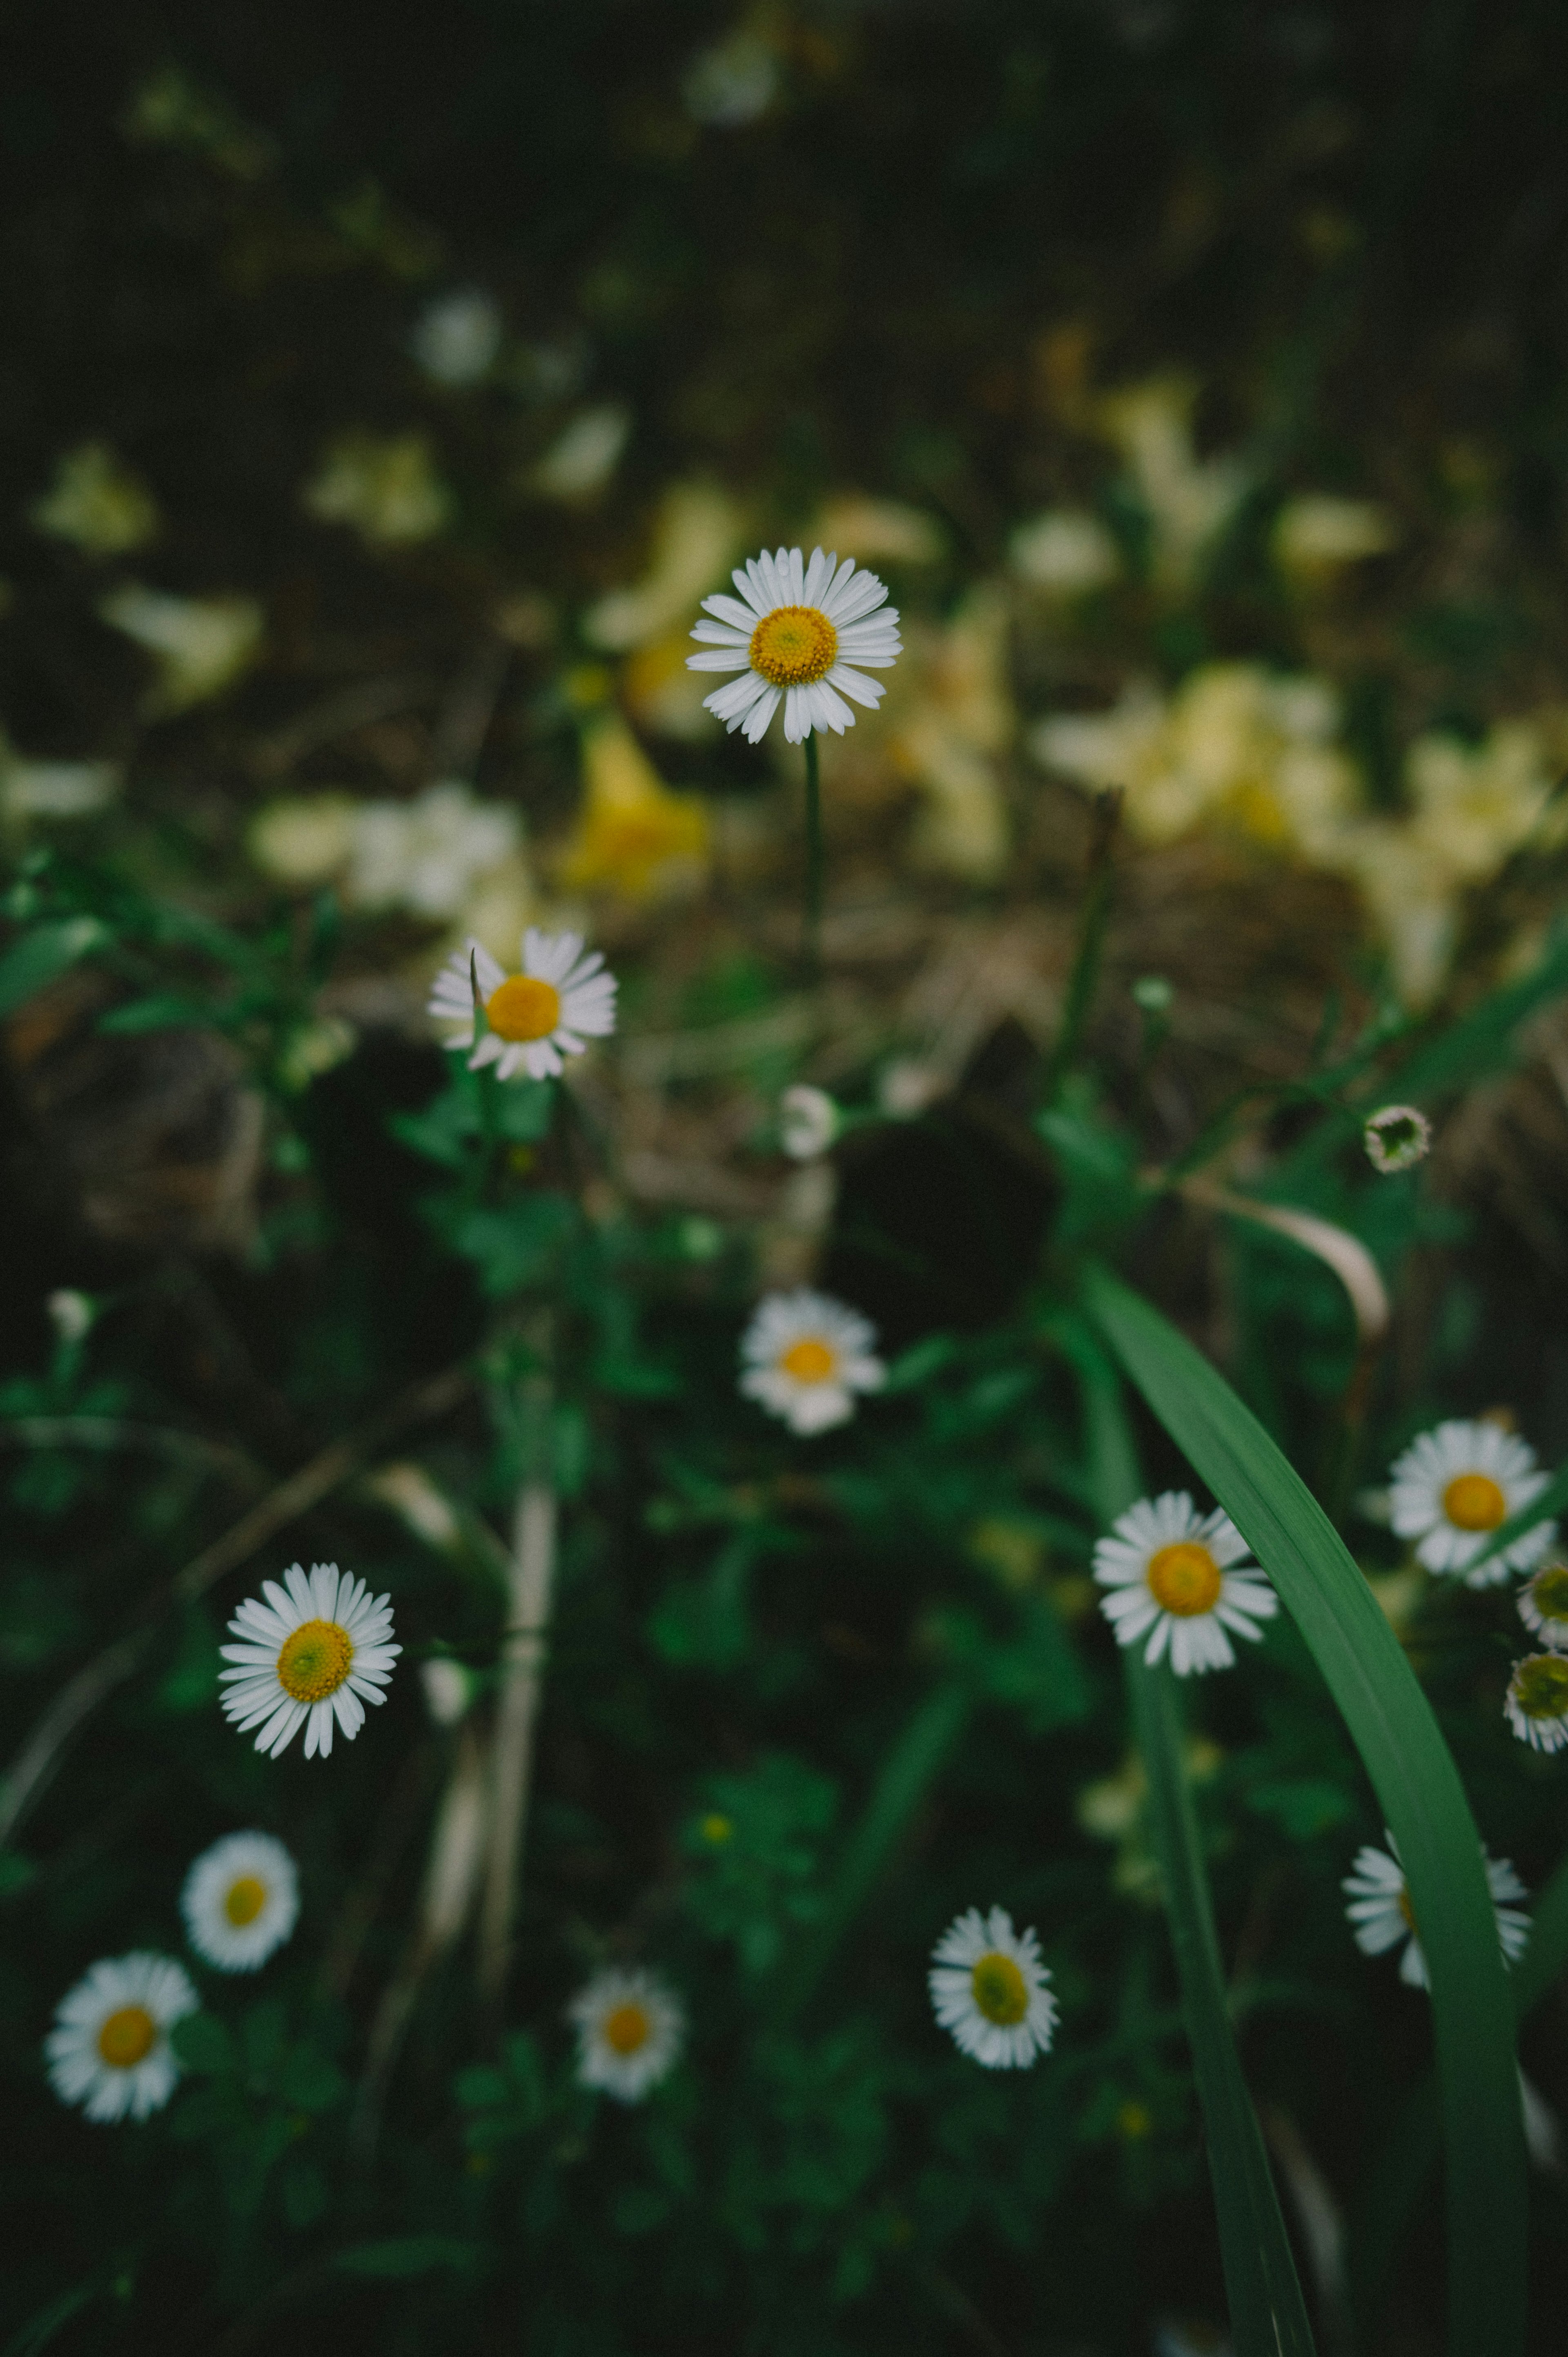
1415, 1780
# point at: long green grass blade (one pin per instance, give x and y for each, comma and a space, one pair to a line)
1268, 2318
1415, 1781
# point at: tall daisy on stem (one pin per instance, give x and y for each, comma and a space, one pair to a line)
803, 636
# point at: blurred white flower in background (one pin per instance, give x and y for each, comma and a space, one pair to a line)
425, 854
457, 337
53, 790
695, 535
1189, 501
954, 730
731, 84
384, 487
200, 645
1316, 535
1066, 551
97, 504
583, 456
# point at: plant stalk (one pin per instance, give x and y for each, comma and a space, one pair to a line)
816, 862
1084, 979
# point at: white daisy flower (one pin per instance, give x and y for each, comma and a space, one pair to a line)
109, 2049
806, 1355
809, 1121
1543, 1605
1184, 1577
1381, 1915
989, 1987
630, 2026
1536, 1704
1396, 1138
534, 1019
317, 1650
240, 1902
797, 634
1453, 1486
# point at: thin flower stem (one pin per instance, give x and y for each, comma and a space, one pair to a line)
814, 861
1085, 976
530, 1583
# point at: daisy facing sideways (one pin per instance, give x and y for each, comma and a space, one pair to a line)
990, 1990
109, 2049
631, 2029
240, 1902
1536, 1704
1543, 1605
1453, 1487
1181, 1578
804, 1357
315, 1651
1381, 1916
800, 635
534, 1019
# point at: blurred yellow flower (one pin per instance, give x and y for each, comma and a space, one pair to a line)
97, 504
53, 790
953, 733
384, 487
200, 645
1189, 499
1316, 534
696, 537
1236, 744
634, 837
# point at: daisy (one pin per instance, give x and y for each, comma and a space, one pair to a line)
794, 634
316, 1652
536, 1019
630, 2027
805, 1357
809, 1121
241, 1901
1396, 1138
1536, 1704
1381, 1915
1453, 1486
1185, 1576
1543, 1605
109, 2049
989, 1987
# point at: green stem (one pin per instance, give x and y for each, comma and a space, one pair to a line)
814, 861
1268, 2317
1084, 978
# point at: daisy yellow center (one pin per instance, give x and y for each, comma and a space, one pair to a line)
244, 1900
523, 1008
315, 1661
1473, 1501
793, 646
1406, 1910
808, 1360
127, 2038
1549, 1592
1185, 1579
627, 2028
999, 1990
1541, 1686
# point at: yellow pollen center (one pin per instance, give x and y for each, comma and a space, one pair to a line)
1541, 1686
793, 646
1406, 1910
246, 1900
809, 1361
1184, 1578
1473, 1501
315, 1661
1549, 1592
627, 2028
523, 1008
999, 1990
127, 2038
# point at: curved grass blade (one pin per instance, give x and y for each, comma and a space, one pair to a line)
1415, 1780
1268, 2317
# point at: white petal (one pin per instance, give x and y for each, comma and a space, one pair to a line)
755, 726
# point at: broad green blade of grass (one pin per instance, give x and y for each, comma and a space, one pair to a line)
1417, 1785
1267, 2314
1268, 2318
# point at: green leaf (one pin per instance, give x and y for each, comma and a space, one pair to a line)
41, 956
203, 2044
163, 1011
1416, 1783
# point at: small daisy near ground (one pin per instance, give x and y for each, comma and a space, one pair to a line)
109, 2050
990, 1990
1543, 1605
313, 1654
1183, 1579
805, 1356
630, 2026
1456, 1485
1381, 1915
1396, 1138
533, 1020
240, 1902
1536, 1704
800, 635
